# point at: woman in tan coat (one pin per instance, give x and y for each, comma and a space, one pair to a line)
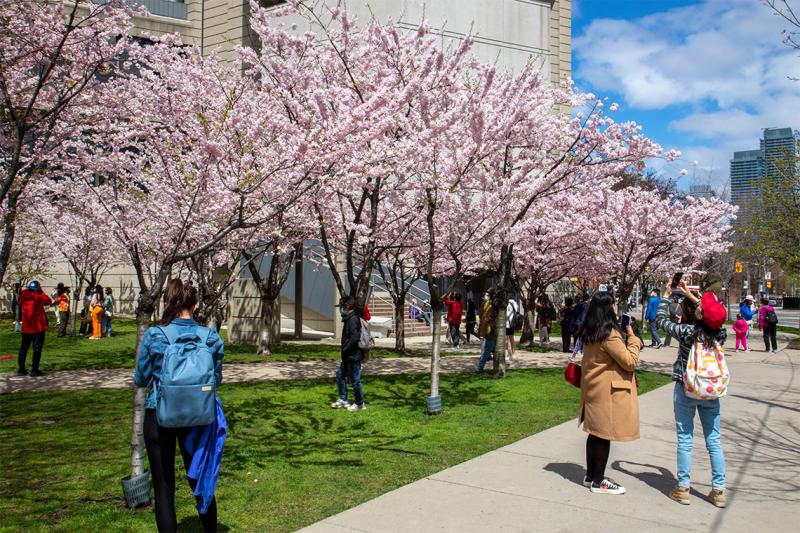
609, 404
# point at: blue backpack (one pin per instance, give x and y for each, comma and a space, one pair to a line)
187, 388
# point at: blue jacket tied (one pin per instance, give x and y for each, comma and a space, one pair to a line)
205, 444
151, 357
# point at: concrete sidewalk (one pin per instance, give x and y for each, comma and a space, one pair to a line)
535, 484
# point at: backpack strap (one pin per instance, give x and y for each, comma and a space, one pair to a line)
170, 333
204, 333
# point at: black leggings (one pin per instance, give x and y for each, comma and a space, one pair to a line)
596, 458
160, 443
471, 331
770, 334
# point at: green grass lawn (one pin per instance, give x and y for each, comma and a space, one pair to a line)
788, 329
68, 353
290, 460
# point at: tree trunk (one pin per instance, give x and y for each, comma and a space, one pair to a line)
144, 313
436, 322
529, 307
399, 324
500, 303
269, 331
9, 229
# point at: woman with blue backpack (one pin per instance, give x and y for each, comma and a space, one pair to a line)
181, 364
701, 336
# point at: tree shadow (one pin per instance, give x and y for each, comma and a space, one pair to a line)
570, 471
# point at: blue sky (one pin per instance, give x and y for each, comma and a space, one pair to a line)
700, 76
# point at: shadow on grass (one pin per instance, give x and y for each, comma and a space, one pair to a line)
192, 524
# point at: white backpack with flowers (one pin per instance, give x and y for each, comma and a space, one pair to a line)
706, 376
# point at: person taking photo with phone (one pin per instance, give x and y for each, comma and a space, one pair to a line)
609, 402
702, 321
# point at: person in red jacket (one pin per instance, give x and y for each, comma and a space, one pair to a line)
33, 302
455, 307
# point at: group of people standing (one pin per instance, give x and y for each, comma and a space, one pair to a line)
97, 312
763, 317
609, 408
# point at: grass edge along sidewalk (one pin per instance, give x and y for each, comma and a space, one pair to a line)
290, 460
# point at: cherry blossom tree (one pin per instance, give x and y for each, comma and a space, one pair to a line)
53, 58
634, 229
192, 155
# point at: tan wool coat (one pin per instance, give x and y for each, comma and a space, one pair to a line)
609, 403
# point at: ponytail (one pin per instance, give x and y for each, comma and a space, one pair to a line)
177, 298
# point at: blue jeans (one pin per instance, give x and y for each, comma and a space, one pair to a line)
654, 332
106, 325
454, 333
352, 370
684, 424
488, 347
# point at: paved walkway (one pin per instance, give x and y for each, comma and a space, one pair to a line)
535, 483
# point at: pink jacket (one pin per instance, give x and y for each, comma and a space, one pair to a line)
741, 326
761, 313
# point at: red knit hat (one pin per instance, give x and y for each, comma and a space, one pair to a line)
714, 313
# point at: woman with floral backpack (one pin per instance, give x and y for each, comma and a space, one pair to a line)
701, 328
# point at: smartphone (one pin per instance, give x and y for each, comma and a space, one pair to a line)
625, 322
676, 279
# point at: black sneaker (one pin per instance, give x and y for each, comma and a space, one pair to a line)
587, 482
607, 487
35, 373
22, 372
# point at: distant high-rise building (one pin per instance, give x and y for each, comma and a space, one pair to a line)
750, 168
702, 191
777, 145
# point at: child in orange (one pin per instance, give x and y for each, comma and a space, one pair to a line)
740, 327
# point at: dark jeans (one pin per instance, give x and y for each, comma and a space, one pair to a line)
470, 330
62, 325
350, 371
597, 450
655, 339
37, 339
566, 337
770, 334
454, 331
160, 443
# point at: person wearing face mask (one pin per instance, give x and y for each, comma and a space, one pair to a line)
350, 368
486, 329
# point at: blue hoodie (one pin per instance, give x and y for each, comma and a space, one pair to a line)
652, 308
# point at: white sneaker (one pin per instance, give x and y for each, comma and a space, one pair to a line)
339, 404
587, 482
354, 407
607, 487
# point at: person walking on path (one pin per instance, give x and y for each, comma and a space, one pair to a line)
487, 330
180, 303
741, 327
566, 316
609, 403
512, 310
455, 308
32, 302
97, 311
471, 320
768, 323
62, 305
108, 312
352, 356
545, 314
650, 315
16, 310
701, 322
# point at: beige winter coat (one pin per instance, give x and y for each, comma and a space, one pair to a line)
609, 403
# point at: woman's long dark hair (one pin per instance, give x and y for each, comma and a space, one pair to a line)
600, 319
177, 298
98, 290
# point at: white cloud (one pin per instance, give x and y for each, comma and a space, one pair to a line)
723, 60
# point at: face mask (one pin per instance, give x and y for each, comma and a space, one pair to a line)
342, 312
486, 297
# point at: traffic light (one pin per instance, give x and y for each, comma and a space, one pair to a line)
738, 267
769, 284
